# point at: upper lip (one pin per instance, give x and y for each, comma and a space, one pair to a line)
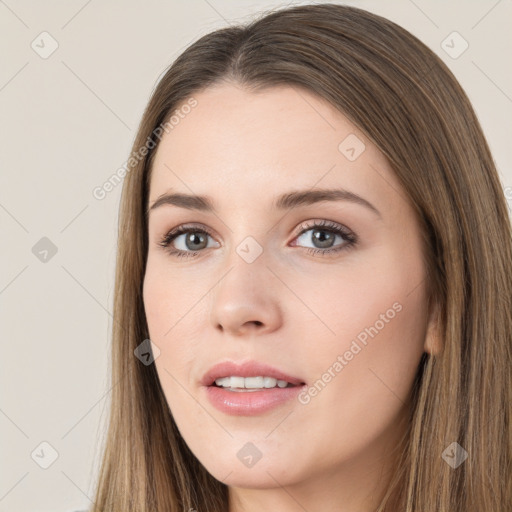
247, 369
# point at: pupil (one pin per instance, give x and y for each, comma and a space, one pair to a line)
194, 238
324, 241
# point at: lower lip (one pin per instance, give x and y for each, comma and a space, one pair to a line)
250, 403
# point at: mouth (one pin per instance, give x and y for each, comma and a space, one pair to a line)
249, 388
248, 375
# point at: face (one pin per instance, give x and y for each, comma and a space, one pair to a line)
328, 290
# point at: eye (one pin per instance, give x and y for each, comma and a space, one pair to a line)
189, 241
186, 241
323, 234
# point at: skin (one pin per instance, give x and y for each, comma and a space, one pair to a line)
289, 308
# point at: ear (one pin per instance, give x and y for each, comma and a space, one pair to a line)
433, 337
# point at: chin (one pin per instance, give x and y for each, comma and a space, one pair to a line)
252, 478
262, 475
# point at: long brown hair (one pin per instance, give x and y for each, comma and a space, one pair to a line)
407, 102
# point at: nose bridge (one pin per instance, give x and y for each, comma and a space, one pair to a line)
248, 246
247, 273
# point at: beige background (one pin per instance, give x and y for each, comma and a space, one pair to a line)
67, 124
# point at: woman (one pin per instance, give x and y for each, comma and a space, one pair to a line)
314, 281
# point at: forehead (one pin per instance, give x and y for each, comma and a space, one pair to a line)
242, 145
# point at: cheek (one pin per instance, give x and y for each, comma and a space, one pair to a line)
167, 298
382, 350
377, 319
362, 377
173, 309
168, 324
163, 306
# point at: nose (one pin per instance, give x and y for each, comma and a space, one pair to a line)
246, 300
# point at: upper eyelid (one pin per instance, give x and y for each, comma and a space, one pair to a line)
303, 226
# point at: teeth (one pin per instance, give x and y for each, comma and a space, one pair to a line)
250, 382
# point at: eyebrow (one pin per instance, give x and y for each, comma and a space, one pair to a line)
289, 200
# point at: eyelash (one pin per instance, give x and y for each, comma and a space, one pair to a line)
337, 229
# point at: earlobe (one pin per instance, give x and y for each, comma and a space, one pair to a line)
433, 337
